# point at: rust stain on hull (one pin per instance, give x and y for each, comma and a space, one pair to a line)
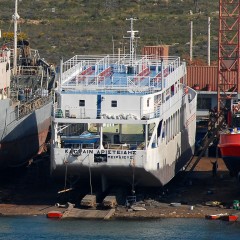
21, 150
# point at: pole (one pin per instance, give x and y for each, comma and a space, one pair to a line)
209, 33
90, 175
113, 45
191, 40
15, 19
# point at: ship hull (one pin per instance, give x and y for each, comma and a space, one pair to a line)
23, 139
229, 146
124, 172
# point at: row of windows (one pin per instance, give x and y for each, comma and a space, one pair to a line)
173, 125
82, 103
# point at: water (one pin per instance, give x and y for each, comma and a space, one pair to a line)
29, 228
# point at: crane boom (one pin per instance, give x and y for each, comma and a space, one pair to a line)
228, 53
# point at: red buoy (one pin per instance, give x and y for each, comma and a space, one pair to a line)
54, 214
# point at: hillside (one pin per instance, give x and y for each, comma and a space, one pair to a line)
63, 28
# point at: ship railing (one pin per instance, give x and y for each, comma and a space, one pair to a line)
109, 146
34, 53
28, 53
70, 63
160, 81
29, 70
122, 114
128, 145
120, 59
76, 146
171, 72
101, 65
161, 108
143, 84
71, 72
91, 84
85, 60
123, 146
33, 104
166, 60
76, 65
121, 62
140, 65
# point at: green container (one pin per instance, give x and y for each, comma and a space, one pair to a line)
236, 204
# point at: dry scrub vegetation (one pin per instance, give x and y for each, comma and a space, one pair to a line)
63, 28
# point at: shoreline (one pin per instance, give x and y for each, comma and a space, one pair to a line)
190, 198
121, 212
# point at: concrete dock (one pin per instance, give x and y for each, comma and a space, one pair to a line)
88, 214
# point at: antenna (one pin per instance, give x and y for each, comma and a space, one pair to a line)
113, 40
132, 40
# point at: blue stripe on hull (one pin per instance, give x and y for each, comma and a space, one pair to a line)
99, 105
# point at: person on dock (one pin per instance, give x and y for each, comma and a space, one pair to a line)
214, 168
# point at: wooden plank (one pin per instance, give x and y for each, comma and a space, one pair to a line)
88, 214
89, 201
110, 201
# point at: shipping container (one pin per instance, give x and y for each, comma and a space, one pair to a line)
206, 77
159, 50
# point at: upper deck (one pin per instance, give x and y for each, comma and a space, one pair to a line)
98, 74
92, 87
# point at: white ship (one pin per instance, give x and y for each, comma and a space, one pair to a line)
140, 115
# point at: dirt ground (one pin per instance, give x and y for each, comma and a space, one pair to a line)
193, 195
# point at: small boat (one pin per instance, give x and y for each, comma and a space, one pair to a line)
229, 142
86, 137
54, 214
230, 151
229, 218
216, 216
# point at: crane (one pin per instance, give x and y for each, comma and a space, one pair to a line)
228, 84
229, 56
